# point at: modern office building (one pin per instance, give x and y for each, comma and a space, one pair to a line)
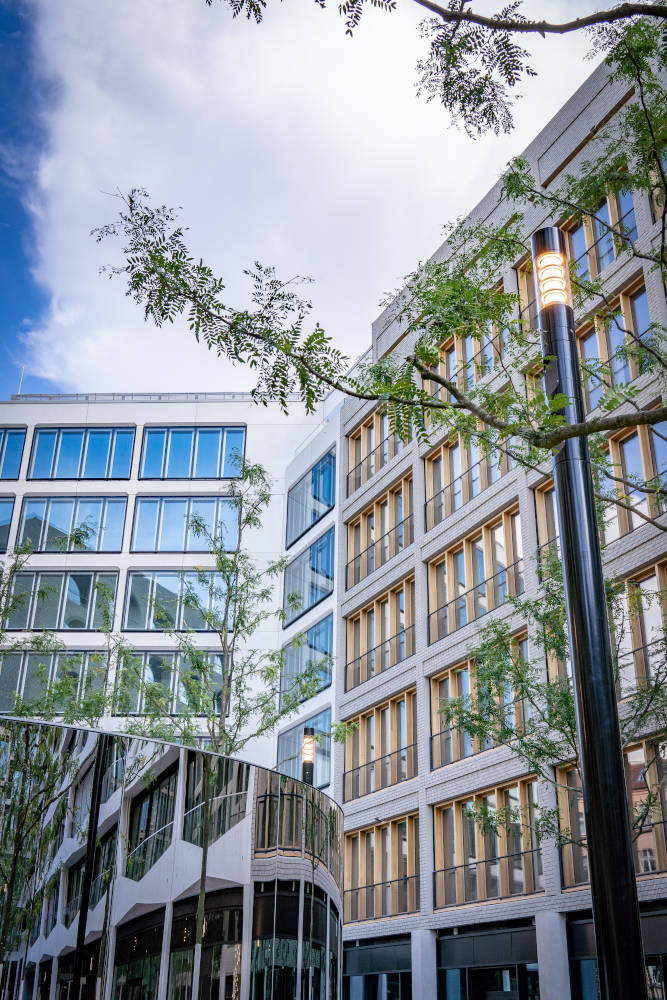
398, 553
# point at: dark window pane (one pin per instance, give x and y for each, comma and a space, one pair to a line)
589, 350
165, 601
659, 436
159, 667
59, 525
233, 452
104, 597
114, 519
627, 213
154, 442
310, 498
603, 238
6, 508
77, 600
36, 675
309, 577
228, 528
138, 601
196, 599
172, 531
145, 524
203, 510
620, 369
579, 255
180, 453
42, 458
47, 600
33, 519
640, 315
11, 455
97, 455
122, 454
87, 524
69, 455
208, 454
19, 605
10, 667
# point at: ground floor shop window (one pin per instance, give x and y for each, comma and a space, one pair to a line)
511, 982
585, 983
378, 986
137, 964
137, 980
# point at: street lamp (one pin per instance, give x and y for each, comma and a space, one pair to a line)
308, 755
609, 843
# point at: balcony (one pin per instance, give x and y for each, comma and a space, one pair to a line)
98, 887
649, 850
401, 765
143, 857
459, 492
373, 462
487, 595
112, 779
225, 812
375, 661
496, 878
380, 552
382, 899
71, 909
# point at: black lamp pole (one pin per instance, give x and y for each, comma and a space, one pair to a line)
613, 886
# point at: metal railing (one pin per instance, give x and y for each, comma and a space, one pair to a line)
453, 743
459, 492
225, 812
373, 462
400, 765
494, 878
382, 899
98, 887
71, 909
143, 857
380, 552
112, 779
380, 658
481, 362
487, 595
548, 553
640, 666
649, 850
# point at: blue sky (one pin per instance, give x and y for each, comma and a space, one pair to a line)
21, 299
287, 143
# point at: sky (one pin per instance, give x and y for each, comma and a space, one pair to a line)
285, 142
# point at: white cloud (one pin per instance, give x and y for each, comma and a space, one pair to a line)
287, 142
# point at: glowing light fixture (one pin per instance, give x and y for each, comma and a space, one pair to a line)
308, 754
552, 278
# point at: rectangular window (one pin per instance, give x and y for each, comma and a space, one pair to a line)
169, 524
192, 452
315, 646
382, 870
81, 601
457, 473
637, 459
11, 450
311, 498
28, 674
579, 251
164, 683
380, 532
81, 453
370, 447
290, 747
156, 601
475, 577
603, 239
6, 510
381, 750
73, 524
381, 634
476, 865
309, 577
151, 826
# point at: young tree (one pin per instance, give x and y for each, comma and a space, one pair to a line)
456, 297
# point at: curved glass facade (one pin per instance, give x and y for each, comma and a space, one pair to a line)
146, 870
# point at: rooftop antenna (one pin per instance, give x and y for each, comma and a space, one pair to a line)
21, 379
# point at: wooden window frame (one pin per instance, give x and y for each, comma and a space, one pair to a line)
363, 556
359, 779
407, 588
367, 893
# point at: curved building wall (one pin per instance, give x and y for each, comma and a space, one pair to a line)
122, 823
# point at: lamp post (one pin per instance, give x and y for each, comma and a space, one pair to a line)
308, 755
609, 842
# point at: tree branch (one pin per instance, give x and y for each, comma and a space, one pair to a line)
620, 13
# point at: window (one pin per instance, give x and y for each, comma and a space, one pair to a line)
380, 532
645, 778
166, 524
309, 577
639, 458
640, 638
73, 898
473, 864
105, 853
311, 498
592, 246
67, 600
151, 826
73, 524
382, 870
11, 450
28, 675
381, 634
81, 453
370, 447
290, 746
314, 646
457, 473
192, 452
156, 601
474, 577
382, 748
159, 682
6, 511
449, 742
